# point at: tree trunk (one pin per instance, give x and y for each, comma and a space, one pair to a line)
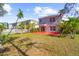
72, 34
12, 28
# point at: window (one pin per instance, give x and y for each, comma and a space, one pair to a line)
40, 20
52, 28
52, 19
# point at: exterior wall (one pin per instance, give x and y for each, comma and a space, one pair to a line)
10, 26
46, 21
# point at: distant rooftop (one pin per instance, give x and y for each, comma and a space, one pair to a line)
49, 16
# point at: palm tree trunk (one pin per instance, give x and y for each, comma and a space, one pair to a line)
12, 28
72, 34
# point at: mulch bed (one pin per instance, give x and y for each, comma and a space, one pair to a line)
47, 33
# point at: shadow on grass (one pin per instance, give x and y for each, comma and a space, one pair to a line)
23, 53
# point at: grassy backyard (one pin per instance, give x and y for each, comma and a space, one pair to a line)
41, 45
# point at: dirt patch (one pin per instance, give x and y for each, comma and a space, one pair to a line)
37, 52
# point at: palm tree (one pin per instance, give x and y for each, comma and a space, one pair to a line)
73, 26
19, 16
31, 26
69, 27
21, 25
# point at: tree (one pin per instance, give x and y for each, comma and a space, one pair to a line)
6, 37
1, 27
2, 13
68, 7
73, 26
21, 25
19, 16
66, 10
31, 26
69, 27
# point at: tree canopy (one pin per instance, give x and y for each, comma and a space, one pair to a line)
2, 11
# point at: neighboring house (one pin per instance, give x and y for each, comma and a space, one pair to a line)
49, 23
11, 25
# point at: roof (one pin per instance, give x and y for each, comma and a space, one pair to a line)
26, 21
50, 16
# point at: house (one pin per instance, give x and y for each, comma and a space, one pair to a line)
26, 22
10, 26
49, 23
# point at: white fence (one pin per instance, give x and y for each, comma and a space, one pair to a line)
6, 31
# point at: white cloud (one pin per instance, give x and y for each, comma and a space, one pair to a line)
65, 18
77, 8
38, 10
50, 11
7, 7
44, 11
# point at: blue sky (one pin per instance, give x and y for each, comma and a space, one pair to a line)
30, 10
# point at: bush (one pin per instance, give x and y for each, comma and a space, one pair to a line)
77, 32
4, 39
34, 30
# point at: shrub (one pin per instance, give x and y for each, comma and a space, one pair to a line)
4, 39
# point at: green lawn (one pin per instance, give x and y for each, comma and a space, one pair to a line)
43, 45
